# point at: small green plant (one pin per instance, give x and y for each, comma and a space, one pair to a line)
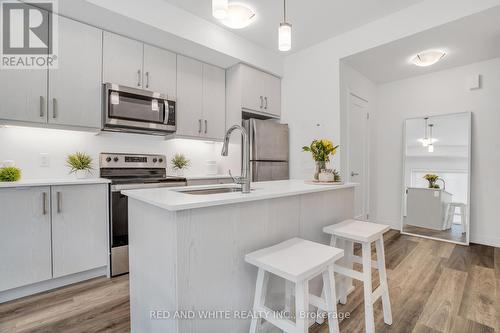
179, 162
10, 174
79, 161
336, 175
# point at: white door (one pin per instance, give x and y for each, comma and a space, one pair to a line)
79, 228
75, 87
214, 102
358, 153
122, 60
25, 250
160, 70
189, 97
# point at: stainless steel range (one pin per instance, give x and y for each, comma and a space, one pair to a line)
129, 171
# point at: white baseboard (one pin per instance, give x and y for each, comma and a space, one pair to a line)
485, 240
39, 287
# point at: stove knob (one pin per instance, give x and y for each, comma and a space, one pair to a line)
108, 159
160, 160
155, 160
115, 159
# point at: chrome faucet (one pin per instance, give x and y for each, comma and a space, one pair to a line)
244, 180
444, 183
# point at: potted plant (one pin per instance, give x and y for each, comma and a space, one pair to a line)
321, 151
179, 163
432, 178
10, 174
80, 164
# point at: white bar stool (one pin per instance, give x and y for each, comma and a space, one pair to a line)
451, 212
297, 261
351, 231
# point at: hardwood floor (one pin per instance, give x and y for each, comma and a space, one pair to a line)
434, 287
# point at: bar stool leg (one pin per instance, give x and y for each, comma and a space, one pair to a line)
288, 295
386, 302
347, 262
330, 299
302, 306
463, 219
259, 298
367, 284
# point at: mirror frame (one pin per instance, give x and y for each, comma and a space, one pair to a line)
469, 164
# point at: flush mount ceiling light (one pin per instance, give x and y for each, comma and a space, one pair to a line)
285, 33
219, 8
238, 16
428, 58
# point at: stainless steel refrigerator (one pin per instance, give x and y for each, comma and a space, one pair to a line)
268, 149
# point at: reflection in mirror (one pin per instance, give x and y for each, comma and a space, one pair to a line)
436, 177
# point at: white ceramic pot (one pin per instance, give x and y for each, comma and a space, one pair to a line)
81, 174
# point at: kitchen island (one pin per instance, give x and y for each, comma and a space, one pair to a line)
187, 248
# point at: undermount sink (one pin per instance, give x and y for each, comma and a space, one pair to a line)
217, 190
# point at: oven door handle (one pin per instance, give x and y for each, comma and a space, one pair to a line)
118, 187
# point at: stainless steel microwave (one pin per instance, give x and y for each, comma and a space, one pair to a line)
138, 111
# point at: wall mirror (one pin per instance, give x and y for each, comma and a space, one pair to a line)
436, 177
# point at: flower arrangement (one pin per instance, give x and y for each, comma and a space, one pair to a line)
321, 150
79, 164
10, 174
432, 178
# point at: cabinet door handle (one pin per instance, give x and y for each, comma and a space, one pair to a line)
139, 78
44, 203
147, 79
59, 202
261, 102
199, 125
265, 107
206, 126
54, 108
42, 106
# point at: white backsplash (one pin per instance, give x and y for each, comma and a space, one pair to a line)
25, 145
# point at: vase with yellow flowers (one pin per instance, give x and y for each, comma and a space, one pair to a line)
321, 151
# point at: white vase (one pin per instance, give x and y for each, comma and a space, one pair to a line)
81, 174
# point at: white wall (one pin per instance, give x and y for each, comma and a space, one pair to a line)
24, 145
434, 94
311, 77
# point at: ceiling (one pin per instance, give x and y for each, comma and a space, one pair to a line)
471, 39
313, 21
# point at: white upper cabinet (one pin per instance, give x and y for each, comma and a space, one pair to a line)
79, 228
75, 86
122, 60
23, 95
25, 236
160, 73
200, 99
189, 97
255, 91
214, 102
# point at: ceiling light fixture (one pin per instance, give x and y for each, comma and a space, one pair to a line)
428, 58
285, 33
430, 147
425, 140
219, 8
238, 16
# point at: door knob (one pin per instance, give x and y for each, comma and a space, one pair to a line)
354, 174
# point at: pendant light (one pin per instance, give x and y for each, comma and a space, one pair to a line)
430, 147
219, 8
285, 32
425, 141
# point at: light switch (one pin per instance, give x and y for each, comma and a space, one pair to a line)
44, 160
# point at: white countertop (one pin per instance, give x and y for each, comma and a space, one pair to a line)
173, 200
49, 182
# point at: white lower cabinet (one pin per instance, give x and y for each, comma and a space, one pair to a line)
25, 250
51, 231
79, 228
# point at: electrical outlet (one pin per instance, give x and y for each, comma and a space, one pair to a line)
44, 160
